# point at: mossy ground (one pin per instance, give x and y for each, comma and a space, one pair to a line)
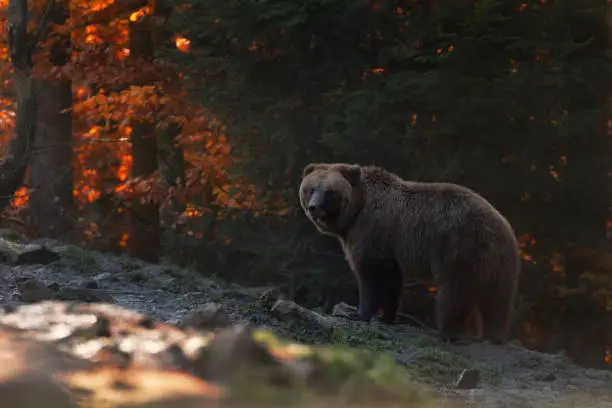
343, 376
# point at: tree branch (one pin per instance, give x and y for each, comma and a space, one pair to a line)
116, 10
44, 25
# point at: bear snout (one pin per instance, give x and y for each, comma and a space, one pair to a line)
317, 205
316, 210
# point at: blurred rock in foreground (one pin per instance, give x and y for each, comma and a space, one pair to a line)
58, 354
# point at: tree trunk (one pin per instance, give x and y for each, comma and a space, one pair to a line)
143, 242
52, 200
171, 164
14, 164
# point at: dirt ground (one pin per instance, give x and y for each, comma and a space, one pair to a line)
510, 376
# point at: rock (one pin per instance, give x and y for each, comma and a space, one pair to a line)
54, 286
102, 276
33, 290
209, 317
344, 310
84, 295
214, 295
233, 351
548, 377
468, 379
130, 360
17, 253
84, 283
288, 310
36, 254
103, 359
27, 371
90, 284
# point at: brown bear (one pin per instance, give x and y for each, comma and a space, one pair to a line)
389, 228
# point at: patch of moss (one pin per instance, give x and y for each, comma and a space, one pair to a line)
341, 375
79, 255
423, 355
438, 364
366, 336
360, 375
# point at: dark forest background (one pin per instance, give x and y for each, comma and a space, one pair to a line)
225, 101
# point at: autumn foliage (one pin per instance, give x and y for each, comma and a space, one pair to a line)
109, 92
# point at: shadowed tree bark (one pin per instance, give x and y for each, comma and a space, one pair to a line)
144, 240
20, 48
52, 201
171, 163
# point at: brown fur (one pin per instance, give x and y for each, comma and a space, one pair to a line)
389, 228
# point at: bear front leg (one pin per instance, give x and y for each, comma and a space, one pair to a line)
379, 286
368, 299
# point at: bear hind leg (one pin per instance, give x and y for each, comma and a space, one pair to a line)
454, 304
496, 309
390, 299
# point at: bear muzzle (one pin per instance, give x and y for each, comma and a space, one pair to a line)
323, 208
317, 211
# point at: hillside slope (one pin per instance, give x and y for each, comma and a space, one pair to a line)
400, 363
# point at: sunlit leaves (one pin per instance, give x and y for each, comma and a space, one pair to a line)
107, 99
182, 44
525, 241
139, 14
7, 119
88, 7
140, 103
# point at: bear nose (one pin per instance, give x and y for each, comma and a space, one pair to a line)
312, 208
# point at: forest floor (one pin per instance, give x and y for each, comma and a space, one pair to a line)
493, 376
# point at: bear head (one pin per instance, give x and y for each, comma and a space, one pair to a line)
329, 193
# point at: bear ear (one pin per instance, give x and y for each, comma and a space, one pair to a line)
351, 172
312, 167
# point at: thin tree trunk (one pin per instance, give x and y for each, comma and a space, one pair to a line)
143, 242
52, 201
171, 164
170, 157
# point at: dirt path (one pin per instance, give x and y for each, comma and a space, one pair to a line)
532, 379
